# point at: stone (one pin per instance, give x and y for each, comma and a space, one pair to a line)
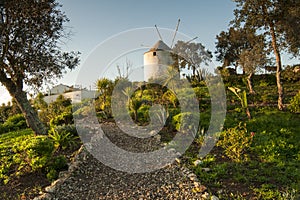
157, 137
197, 162
50, 189
205, 195
206, 169
214, 198
153, 132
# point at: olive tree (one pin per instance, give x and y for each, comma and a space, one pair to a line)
191, 55
31, 32
278, 21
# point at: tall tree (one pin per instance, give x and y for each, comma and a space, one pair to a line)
251, 60
278, 20
229, 46
191, 55
30, 32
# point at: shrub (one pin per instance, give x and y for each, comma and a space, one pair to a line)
185, 121
52, 175
63, 137
143, 113
62, 119
13, 123
57, 164
236, 142
33, 154
70, 128
16, 118
295, 104
289, 74
37, 153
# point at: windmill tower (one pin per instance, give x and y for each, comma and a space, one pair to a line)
158, 58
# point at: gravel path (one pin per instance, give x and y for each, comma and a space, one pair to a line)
89, 179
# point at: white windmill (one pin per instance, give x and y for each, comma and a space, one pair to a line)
158, 58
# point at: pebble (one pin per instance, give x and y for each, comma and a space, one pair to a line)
197, 162
214, 198
206, 169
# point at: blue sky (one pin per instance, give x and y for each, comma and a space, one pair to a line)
94, 21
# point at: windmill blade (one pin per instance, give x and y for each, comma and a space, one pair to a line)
158, 33
191, 40
175, 33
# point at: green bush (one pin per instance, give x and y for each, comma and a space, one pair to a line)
57, 164
264, 80
16, 118
13, 123
52, 175
289, 75
185, 121
32, 154
63, 137
236, 142
143, 113
70, 128
295, 104
62, 119
37, 153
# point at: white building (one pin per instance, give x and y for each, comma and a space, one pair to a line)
60, 89
156, 60
75, 94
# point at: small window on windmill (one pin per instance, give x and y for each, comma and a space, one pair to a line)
154, 53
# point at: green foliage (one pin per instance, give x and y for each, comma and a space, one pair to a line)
13, 123
269, 192
103, 102
57, 164
277, 145
295, 103
143, 113
64, 118
291, 74
63, 137
7, 110
58, 112
243, 99
22, 152
236, 142
185, 121
273, 148
52, 175
7, 155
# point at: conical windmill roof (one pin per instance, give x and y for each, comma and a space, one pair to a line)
160, 45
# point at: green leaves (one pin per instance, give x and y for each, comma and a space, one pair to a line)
243, 99
62, 138
236, 142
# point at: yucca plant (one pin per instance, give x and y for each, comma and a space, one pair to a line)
242, 96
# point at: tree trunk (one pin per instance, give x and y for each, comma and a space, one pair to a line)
15, 89
249, 81
30, 114
278, 67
